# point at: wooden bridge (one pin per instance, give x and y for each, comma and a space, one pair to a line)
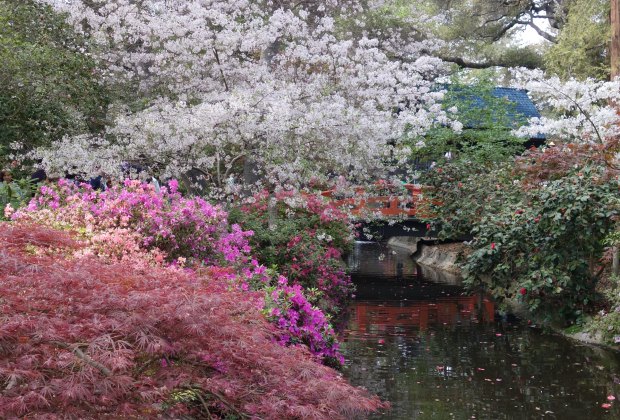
384, 199
385, 209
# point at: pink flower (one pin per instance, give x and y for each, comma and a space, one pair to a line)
8, 211
492, 245
523, 291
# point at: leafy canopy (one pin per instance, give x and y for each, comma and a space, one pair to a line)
49, 86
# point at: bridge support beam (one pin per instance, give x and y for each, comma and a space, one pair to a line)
384, 229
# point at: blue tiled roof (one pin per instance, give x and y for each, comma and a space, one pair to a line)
523, 104
521, 107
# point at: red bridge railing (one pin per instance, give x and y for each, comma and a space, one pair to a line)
406, 200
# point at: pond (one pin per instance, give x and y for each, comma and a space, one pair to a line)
435, 352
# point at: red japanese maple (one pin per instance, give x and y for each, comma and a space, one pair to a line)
83, 338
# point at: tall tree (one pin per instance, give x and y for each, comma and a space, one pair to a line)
615, 38
485, 33
582, 47
615, 72
224, 82
49, 86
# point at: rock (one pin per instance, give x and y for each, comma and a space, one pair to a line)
443, 256
407, 243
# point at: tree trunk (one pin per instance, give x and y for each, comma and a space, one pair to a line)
615, 72
272, 211
615, 264
250, 177
615, 38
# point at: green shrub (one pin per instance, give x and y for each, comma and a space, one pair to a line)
50, 87
16, 194
462, 193
545, 248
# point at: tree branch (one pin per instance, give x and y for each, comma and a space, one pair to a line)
84, 357
542, 33
232, 162
461, 62
219, 66
505, 29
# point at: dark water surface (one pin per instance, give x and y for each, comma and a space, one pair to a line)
436, 353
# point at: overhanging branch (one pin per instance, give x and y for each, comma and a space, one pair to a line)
461, 62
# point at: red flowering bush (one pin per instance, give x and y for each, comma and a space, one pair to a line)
305, 245
86, 338
312, 263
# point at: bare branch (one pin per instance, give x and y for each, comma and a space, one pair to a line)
84, 357
219, 65
542, 33
461, 62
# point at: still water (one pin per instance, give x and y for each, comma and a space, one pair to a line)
437, 353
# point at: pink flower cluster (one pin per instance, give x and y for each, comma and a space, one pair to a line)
178, 227
313, 264
288, 308
136, 224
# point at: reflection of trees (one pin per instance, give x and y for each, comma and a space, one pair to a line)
381, 261
452, 369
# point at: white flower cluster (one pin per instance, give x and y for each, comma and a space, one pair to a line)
324, 237
250, 89
576, 111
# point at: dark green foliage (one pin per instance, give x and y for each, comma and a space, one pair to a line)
49, 85
16, 193
545, 247
464, 192
540, 230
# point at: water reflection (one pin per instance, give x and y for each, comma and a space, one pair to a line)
435, 353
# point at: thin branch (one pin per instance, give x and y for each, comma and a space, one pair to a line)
84, 357
461, 62
583, 111
219, 172
219, 66
204, 404
542, 33
505, 29
232, 162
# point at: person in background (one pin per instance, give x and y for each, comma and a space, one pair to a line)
5, 176
98, 183
38, 176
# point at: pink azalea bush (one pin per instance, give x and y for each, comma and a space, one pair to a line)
135, 223
288, 308
313, 263
179, 227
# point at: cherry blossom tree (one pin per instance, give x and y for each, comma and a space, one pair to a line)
576, 111
243, 90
